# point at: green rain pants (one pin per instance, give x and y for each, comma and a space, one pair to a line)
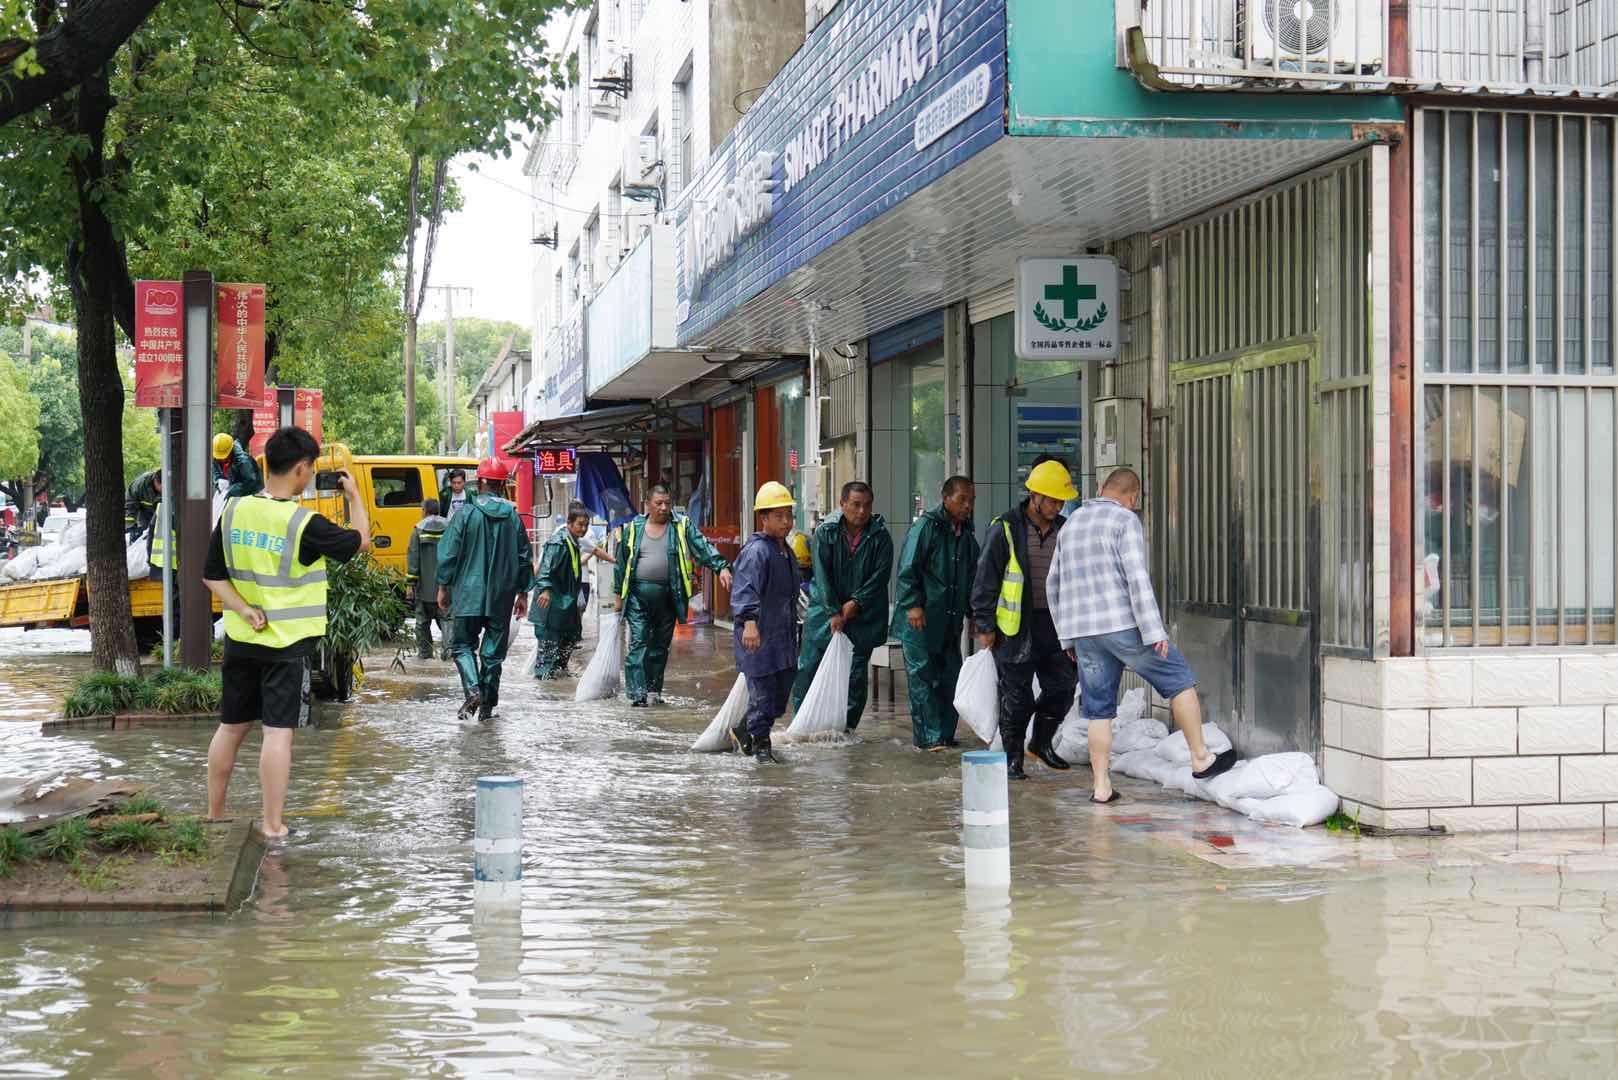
555, 649
859, 675
932, 692
479, 650
650, 612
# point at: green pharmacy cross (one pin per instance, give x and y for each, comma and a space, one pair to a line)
1070, 292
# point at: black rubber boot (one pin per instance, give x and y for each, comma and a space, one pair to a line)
638, 703
740, 739
762, 753
470, 707
1014, 767
1051, 759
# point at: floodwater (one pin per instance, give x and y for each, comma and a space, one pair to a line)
692, 915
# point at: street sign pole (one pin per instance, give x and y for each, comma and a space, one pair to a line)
196, 511
164, 526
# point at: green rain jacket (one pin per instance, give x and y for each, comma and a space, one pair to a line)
841, 575
560, 565
935, 574
698, 553
484, 559
243, 474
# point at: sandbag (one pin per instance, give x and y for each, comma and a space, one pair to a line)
1138, 734
824, 711
74, 536
1174, 747
70, 563
1309, 804
1265, 778
1141, 764
1131, 707
1072, 740
600, 678
135, 561
717, 735
977, 696
22, 567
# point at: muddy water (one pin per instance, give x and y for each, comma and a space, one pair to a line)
689, 915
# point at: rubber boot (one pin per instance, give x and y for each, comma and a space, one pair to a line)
1049, 756
1014, 767
740, 739
762, 753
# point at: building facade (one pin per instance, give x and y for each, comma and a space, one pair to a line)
1361, 347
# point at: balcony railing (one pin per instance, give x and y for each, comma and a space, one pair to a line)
1560, 48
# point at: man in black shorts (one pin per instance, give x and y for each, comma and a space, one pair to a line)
267, 565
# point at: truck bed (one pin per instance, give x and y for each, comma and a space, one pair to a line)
66, 602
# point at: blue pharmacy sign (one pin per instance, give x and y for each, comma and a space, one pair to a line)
882, 99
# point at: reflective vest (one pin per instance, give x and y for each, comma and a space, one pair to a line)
261, 537
158, 556
633, 552
1008, 609
573, 550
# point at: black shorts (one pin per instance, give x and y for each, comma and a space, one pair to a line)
273, 691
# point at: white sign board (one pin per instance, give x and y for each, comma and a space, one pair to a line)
1067, 309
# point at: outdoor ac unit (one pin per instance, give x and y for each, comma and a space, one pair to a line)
648, 159
604, 104
1342, 36
542, 221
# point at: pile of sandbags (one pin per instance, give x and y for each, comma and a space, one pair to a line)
63, 559
1282, 789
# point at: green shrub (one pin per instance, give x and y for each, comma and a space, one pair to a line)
139, 804
174, 690
187, 838
66, 839
364, 605
103, 692
188, 692
16, 848
129, 836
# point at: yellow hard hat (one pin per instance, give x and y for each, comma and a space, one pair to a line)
222, 445
1050, 479
772, 495
800, 548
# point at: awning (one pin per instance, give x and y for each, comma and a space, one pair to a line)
609, 428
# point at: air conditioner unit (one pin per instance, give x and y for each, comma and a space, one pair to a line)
648, 158
604, 104
542, 226
1340, 36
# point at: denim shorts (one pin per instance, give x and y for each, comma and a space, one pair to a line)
1103, 658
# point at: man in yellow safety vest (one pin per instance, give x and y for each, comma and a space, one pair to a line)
1011, 615
267, 565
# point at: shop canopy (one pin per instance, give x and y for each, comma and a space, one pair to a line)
609, 428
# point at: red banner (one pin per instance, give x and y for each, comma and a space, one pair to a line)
505, 427
266, 418
240, 359
306, 409
159, 344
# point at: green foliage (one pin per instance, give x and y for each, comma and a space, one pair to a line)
187, 838
173, 691
16, 848
1341, 822
19, 423
477, 343
129, 836
193, 692
364, 605
66, 840
102, 692
139, 804
101, 877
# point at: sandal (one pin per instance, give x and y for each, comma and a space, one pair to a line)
1114, 797
1222, 764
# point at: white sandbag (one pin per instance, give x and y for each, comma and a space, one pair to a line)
1307, 805
45, 568
1265, 778
22, 567
1141, 764
977, 696
1138, 734
600, 678
219, 502
1132, 706
717, 735
997, 743
70, 563
1174, 747
1072, 741
135, 561
824, 711
74, 536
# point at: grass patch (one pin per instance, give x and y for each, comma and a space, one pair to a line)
173, 691
101, 877
185, 839
217, 651
16, 848
139, 804
66, 840
1341, 822
129, 836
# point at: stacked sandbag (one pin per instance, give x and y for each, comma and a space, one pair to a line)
1279, 789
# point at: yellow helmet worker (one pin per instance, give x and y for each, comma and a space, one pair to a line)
1051, 480
222, 446
799, 543
772, 495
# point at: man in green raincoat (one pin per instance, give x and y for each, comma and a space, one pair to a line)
654, 580
554, 612
484, 562
932, 598
853, 558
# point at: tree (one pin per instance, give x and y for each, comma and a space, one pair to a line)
19, 423
477, 343
67, 53
125, 144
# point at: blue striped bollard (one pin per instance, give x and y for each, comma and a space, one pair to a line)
497, 843
985, 819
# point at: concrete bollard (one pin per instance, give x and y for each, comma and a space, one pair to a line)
497, 843
985, 819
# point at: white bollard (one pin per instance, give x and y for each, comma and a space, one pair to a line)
497, 843
985, 819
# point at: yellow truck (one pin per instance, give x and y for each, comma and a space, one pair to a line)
65, 602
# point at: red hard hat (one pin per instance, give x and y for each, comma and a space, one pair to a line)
493, 469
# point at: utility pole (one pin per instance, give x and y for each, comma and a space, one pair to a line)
448, 372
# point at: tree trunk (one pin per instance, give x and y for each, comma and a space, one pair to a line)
98, 278
410, 383
72, 49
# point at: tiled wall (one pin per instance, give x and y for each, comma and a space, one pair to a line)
1475, 742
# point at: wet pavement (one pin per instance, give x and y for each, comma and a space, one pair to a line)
690, 915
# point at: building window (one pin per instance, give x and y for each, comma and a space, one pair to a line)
591, 252
927, 462
684, 121
573, 283
1519, 463
558, 300
615, 236
789, 419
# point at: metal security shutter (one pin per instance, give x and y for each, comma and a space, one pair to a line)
1000, 300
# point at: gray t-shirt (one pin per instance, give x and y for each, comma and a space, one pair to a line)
653, 564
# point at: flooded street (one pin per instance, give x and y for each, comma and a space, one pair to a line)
690, 915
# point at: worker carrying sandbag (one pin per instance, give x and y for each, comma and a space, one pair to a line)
853, 559
235, 467
931, 599
1010, 615
763, 599
554, 611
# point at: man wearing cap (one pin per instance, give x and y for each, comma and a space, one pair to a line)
484, 563
1011, 615
764, 605
654, 580
236, 467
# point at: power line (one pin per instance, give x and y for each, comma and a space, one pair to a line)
552, 202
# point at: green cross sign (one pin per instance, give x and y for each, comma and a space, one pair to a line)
1070, 292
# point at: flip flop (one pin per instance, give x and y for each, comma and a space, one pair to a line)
1114, 797
1222, 764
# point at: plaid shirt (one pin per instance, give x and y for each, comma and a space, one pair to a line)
1100, 581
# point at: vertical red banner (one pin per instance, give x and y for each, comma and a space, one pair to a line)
159, 344
240, 361
266, 418
307, 405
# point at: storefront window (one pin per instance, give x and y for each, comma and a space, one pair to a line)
789, 409
927, 459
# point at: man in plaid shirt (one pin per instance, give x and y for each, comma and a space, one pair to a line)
1100, 595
